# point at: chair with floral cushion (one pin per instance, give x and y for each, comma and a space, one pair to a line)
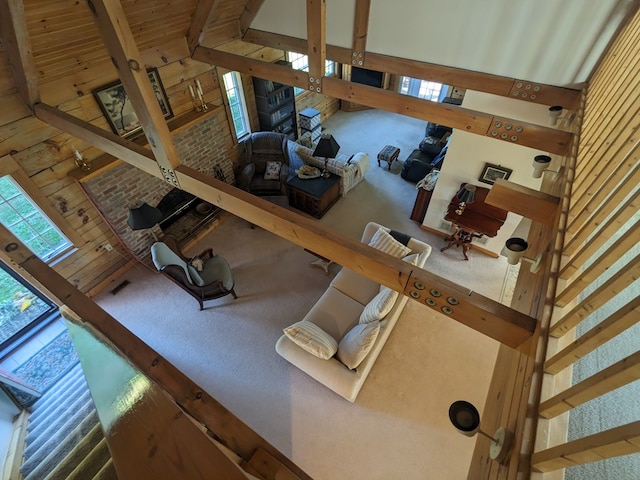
264, 164
204, 277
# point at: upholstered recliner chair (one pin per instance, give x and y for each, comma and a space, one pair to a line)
204, 277
265, 164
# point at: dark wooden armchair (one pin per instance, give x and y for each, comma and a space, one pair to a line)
213, 278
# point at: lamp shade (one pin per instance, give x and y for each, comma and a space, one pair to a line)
540, 164
467, 193
143, 215
515, 248
465, 417
327, 147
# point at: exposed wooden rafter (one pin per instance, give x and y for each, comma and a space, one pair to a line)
108, 142
505, 129
176, 395
468, 79
360, 31
491, 318
13, 28
119, 41
316, 42
202, 17
250, 11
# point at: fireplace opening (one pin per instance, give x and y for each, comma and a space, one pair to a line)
182, 213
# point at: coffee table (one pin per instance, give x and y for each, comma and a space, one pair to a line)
315, 195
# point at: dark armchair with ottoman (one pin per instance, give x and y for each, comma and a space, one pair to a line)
429, 154
265, 164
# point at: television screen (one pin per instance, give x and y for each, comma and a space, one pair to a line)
366, 77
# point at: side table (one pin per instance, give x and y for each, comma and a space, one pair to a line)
315, 195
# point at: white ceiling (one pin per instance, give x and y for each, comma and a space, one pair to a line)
556, 42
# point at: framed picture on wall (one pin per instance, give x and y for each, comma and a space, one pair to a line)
117, 108
490, 173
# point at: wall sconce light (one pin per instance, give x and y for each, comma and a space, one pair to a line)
554, 114
328, 148
515, 249
541, 164
465, 196
465, 417
81, 163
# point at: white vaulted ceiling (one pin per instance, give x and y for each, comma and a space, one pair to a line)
557, 42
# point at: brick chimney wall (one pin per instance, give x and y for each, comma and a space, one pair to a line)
202, 146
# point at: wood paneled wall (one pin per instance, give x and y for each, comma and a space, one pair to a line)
600, 266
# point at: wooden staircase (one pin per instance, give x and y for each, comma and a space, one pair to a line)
63, 438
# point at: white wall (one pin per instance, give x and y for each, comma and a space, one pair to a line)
468, 153
502, 37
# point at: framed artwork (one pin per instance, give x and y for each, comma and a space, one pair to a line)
490, 173
117, 108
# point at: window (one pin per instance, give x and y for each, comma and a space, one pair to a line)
235, 95
26, 221
420, 88
301, 62
22, 307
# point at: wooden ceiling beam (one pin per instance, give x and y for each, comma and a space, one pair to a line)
506, 129
255, 68
113, 26
467, 79
202, 17
316, 42
500, 128
508, 326
17, 43
484, 315
250, 11
106, 141
360, 31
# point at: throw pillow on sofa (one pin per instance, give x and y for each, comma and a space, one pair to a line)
356, 344
379, 306
312, 339
384, 242
272, 171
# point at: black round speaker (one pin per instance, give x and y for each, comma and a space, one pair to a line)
464, 416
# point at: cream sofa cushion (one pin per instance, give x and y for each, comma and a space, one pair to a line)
357, 343
360, 288
312, 338
384, 242
379, 306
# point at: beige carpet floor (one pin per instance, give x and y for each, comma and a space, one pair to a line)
398, 428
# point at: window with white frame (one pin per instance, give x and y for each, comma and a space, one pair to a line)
237, 105
25, 220
300, 61
420, 88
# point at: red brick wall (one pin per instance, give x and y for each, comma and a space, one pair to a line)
202, 146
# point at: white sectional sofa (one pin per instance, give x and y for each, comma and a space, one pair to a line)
339, 312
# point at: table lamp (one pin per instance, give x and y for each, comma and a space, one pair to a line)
466, 195
328, 148
142, 215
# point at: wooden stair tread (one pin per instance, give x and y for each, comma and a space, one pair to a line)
264, 465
